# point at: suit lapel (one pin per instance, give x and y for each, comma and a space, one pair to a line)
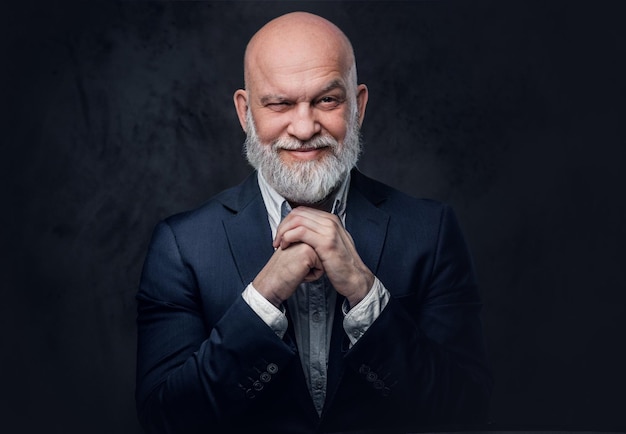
250, 242
365, 221
367, 225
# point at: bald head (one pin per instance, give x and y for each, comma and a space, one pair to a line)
297, 38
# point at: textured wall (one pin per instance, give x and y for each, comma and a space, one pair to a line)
120, 114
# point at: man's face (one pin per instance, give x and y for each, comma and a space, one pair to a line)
305, 180
302, 124
300, 102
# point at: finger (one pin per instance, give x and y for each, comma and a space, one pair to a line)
315, 272
297, 217
319, 223
314, 237
313, 275
323, 238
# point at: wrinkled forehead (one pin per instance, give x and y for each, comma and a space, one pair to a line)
293, 64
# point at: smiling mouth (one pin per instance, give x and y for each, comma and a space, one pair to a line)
306, 153
305, 149
308, 149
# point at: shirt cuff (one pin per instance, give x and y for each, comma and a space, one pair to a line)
272, 316
357, 320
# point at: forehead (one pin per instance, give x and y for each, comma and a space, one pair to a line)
298, 76
285, 58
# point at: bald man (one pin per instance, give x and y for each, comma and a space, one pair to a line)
309, 298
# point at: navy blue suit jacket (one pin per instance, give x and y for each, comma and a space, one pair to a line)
208, 363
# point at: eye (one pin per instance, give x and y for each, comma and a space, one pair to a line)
278, 106
328, 102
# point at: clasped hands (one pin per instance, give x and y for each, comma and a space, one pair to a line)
309, 243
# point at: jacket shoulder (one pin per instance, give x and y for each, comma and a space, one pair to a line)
388, 198
223, 205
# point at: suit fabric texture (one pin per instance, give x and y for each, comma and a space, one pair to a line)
208, 363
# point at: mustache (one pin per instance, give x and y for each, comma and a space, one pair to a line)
291, 144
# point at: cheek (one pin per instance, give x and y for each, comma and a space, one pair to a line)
269, 128
336, 126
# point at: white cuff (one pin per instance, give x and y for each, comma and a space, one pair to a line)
357, 320
272, 316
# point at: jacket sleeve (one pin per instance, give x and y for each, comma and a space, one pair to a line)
425, 353
192, 375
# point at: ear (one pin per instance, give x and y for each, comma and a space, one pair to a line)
240, 99
361, 101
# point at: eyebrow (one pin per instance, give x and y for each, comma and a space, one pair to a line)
335, 84
273, 97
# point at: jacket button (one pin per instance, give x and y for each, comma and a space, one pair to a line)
250, 394
371, 376
378, 384
272, 368
364, 369
265, 377
257, 385
386, 391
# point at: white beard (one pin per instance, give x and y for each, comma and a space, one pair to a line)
304, 182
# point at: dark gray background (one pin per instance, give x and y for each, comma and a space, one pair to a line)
119, 114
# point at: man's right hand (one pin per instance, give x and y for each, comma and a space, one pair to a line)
285, 270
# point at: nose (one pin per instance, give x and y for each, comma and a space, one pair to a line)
303, 124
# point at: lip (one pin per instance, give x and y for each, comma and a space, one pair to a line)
305, 154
